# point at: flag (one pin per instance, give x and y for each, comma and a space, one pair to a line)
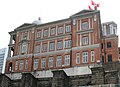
93, 3
89, 7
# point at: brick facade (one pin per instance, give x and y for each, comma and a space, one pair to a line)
60, 40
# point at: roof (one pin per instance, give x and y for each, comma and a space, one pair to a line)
83, 12
24, 25
110, 22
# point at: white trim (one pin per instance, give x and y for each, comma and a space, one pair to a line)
89, 38
52, 53
89, 23
80, 25
86, 47
80, 40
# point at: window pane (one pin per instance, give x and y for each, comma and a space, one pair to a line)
108, 44
92, 56
35, 64
44, 47
67, 60
85, 57
109, 58
59, 61
16, 65
43, 62
52, 31
60, 29
59, 45
77, 58
68, 28
85, 25
50, 63
45, 32
52, 46
21, 65
85, 40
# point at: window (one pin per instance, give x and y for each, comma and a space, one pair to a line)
45, 33
85, 57
35, 64
67, 60
85, 25
16, 65
108, 44
85, 40
109, 58
67, 44
102, 59
102, 46
77, 58
26, 64
44, 47
52, 31
38, 34
37, 48
59, 45
108, 31
59, 61
50, 63
60, 30
24, 48
52, 46
92, 56
43, 62
21, 65
24, 37
68, 28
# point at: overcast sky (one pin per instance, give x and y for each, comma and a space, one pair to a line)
14, 13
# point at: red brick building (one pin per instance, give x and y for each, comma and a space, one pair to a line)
70, 44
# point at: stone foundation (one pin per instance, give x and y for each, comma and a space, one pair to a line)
108, 73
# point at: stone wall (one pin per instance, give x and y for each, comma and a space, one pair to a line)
108, 73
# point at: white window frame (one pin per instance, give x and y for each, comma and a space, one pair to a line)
38, 34
44, 48
52, 31
92, 56
67, 60
85, 40
77, 58
26, 64
52, 46
50, 62
68, 28
43, 62
85, 57
45, 33
24, 47
59, 61
36, 61
16, 65
37, 48
21, 65
84, 26
59, 45
60, 30
67, 43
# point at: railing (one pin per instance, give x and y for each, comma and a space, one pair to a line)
104, 85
